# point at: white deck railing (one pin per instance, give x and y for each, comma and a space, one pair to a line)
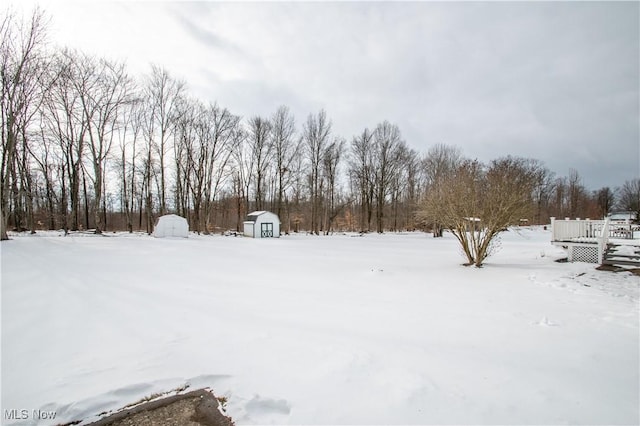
577, 230
584, 231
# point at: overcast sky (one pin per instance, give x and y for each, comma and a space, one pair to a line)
555, 81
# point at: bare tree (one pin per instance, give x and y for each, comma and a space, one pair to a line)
439, 165
206, 137
542, 191
63, 117
403, 190
49, 161
82, 82
330, 163
412, 179
387, 156
285, 149
260, 145
102, 96
184, 147
128, 136
295, 197
224, 135
148, 170
629, 196
567, 197
605, 200
243, 164
21, 71
440, 161
361, 173
558, 204
163, 94
576, 193
477, 203
316, 133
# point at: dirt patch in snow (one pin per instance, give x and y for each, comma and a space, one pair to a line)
196, 408
614, 268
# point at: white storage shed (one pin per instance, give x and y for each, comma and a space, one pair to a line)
171, 225
262, 224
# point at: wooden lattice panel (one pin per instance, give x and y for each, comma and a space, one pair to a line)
585, 254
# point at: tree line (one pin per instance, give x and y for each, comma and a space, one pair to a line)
86, 145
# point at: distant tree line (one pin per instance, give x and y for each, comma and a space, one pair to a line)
85, 145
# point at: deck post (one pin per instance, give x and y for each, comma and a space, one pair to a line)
600, 253
603, 241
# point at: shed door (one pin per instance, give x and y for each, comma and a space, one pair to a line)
266, 230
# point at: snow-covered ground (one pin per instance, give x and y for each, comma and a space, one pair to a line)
319, 330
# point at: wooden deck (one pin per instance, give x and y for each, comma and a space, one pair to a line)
585, 240
591, 241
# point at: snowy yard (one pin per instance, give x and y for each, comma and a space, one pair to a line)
319, 330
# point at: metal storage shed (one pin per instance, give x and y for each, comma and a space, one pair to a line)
262, 224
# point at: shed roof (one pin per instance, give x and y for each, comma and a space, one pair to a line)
253, 216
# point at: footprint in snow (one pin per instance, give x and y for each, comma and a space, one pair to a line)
545, 322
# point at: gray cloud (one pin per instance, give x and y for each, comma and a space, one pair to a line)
557, 81
194, 23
